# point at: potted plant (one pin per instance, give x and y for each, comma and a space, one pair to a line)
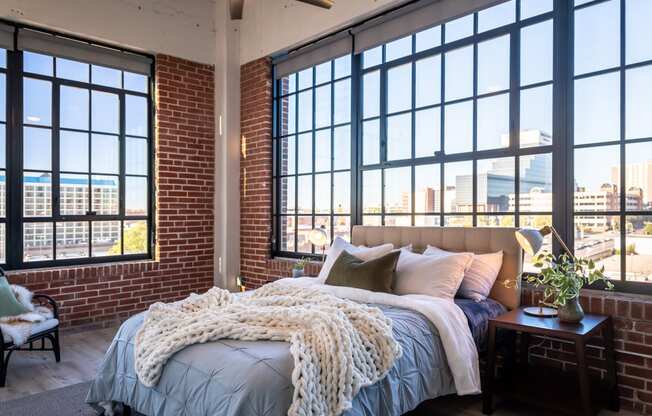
299, 266
563, 277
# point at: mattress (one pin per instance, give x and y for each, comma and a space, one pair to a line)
231, 377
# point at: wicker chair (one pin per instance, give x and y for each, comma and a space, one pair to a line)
50, 332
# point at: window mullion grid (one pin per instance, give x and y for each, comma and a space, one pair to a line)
122, 180
13, 186
413, 135
383, 133
56, 191
623, 160
332, 161
474, 203
442, 130
296, 164
356, 143
5, 125
151, 188
312, 152
276, 114
514, 111
89, 188
563, 91
15, 219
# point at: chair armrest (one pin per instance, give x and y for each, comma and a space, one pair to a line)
50, 301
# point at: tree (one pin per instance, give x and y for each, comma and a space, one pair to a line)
647, 230
506, 221
135, 240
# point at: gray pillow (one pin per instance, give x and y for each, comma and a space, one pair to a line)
376, 274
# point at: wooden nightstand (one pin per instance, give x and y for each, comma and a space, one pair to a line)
540, 387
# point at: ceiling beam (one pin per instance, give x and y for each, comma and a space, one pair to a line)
326, 4
235, 8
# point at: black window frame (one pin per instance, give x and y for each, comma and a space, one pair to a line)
562, 148
277, 172
15, 218
358, 70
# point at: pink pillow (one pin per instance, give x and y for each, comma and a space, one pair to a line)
481, 275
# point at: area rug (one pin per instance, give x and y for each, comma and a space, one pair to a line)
66, 401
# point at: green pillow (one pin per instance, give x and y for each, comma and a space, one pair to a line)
9, 306
376, 274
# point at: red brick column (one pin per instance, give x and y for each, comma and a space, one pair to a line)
102, 295
255, 170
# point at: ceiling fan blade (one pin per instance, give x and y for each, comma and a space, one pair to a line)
235, 8
326, 4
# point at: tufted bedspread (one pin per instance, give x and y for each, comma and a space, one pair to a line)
231, 377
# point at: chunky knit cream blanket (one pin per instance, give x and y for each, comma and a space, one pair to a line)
338, 345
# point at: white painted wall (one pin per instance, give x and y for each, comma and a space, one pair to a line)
269, 26
227, 148
183, 28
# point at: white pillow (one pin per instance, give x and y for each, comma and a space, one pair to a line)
361, 252
480, 277
429, 275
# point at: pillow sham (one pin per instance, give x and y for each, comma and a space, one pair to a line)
418, 274
361, 252
480, 277
9, 305
376, 274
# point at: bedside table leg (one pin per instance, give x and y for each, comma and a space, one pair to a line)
490, 374
583, 377
610, 361
524, 350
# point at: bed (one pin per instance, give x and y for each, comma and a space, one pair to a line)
231, 377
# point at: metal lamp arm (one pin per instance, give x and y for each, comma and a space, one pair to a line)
561, 241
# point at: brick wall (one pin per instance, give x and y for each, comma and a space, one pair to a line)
632, 314
101, 295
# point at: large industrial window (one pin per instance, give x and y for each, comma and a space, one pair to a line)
526, 113
437, 106
79, 157
613, 136
313, 176
433, 145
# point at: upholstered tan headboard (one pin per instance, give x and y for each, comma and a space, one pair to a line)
475, 240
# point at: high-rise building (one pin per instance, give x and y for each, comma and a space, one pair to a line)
637, 175
495, 188
425, 200
74, 194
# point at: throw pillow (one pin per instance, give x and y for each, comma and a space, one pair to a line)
418, 274
376, 274
362, 252
9, 306
480, 277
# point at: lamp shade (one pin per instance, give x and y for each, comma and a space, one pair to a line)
530, 240
318, 237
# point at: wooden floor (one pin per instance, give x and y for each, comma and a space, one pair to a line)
81, 354
36, 372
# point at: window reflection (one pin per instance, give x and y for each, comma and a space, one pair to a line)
398, 190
